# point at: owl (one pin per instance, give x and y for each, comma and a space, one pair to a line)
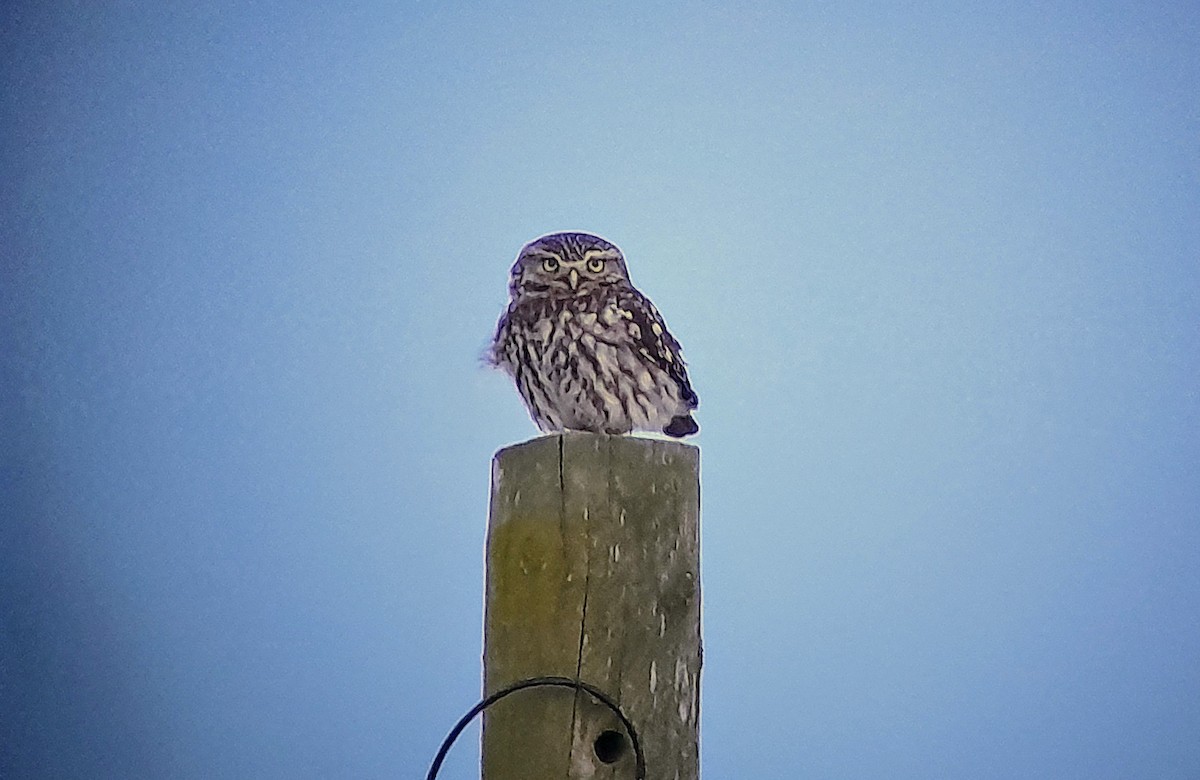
587, 351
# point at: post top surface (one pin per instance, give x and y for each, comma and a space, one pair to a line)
598, 441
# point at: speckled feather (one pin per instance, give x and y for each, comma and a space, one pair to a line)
586, 349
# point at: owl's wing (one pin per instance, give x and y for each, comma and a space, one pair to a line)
657, 343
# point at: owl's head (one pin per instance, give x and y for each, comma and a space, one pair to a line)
565, 265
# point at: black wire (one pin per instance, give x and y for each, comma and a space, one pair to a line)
536, 682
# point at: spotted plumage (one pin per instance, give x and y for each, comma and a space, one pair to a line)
587, 351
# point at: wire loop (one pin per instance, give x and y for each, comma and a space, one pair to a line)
537, 682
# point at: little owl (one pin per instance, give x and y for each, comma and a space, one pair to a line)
587, 351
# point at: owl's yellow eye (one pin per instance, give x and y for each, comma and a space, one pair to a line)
595, 265
550, 264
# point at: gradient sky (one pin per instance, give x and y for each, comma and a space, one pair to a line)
936, 270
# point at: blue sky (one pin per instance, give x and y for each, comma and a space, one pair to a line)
934, 268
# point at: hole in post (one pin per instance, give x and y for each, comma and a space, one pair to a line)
609, 746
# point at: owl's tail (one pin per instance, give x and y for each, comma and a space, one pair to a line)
683, 425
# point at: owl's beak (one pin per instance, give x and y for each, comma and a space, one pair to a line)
573, 278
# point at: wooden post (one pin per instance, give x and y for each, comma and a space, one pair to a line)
593, 573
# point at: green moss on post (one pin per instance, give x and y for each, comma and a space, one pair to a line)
593, 573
